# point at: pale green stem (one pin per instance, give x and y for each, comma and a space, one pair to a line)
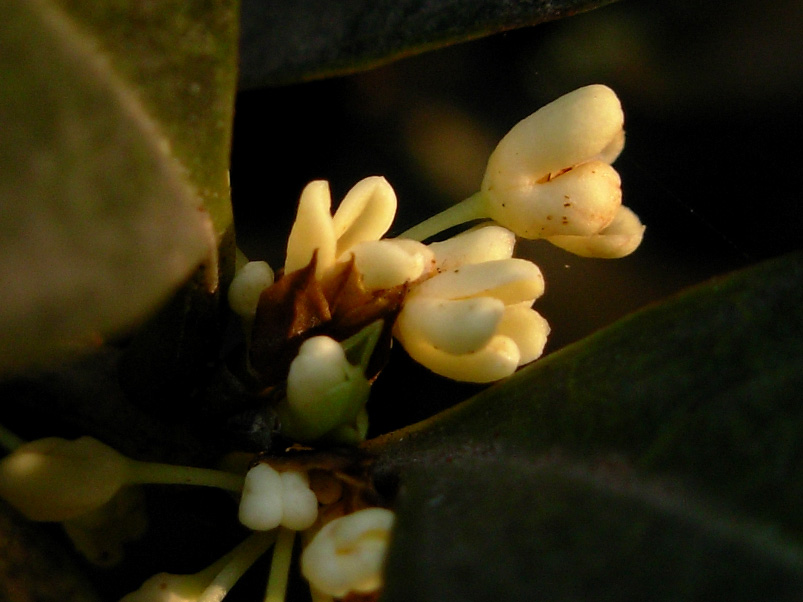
280, 566
9, 440
234, 565
474, 207
157, 473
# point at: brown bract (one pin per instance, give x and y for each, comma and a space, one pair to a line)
298, 306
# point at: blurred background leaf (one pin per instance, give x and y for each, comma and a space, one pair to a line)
103, 215
693, 406
290, 41
110, 172
478, 528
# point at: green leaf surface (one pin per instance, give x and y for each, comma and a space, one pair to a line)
701, 394
115, 119
285, 41
481, 529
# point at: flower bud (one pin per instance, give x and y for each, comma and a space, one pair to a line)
54, 479
246, 287
551, 175
348, 553
324, 390
271, 499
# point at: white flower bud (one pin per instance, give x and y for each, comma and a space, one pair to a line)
348, 554
391, 262
486, 243
551, 175
324, 391
246, 287
54, 479
312, 230
619, 239
366, 213
271, 499
474, 323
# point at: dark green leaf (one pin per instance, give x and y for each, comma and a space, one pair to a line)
702, 392
115, 123
478, 529
286, 41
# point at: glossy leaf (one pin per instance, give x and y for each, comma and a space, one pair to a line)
479, 528
286, 41
700, 394
115, 123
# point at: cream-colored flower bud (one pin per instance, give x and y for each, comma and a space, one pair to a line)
390, 262
551, 175
348, 553
312, 230
619, 239
271, 499
474, 323
246, 287
485, 243
324, 391
366, 213
54, 479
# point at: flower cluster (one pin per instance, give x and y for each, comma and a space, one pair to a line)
318, 332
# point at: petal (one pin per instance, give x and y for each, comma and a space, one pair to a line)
619, 239
390, 262
312, 230
365, 214
498, 359
486, 243
583, 125
527, 328
461, 326
579, 202
510, 280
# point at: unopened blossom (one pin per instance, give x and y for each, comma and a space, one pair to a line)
474, 321
246, 287
54, 479
324, 391
348, 553
271, 499
551, 177
551, 174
